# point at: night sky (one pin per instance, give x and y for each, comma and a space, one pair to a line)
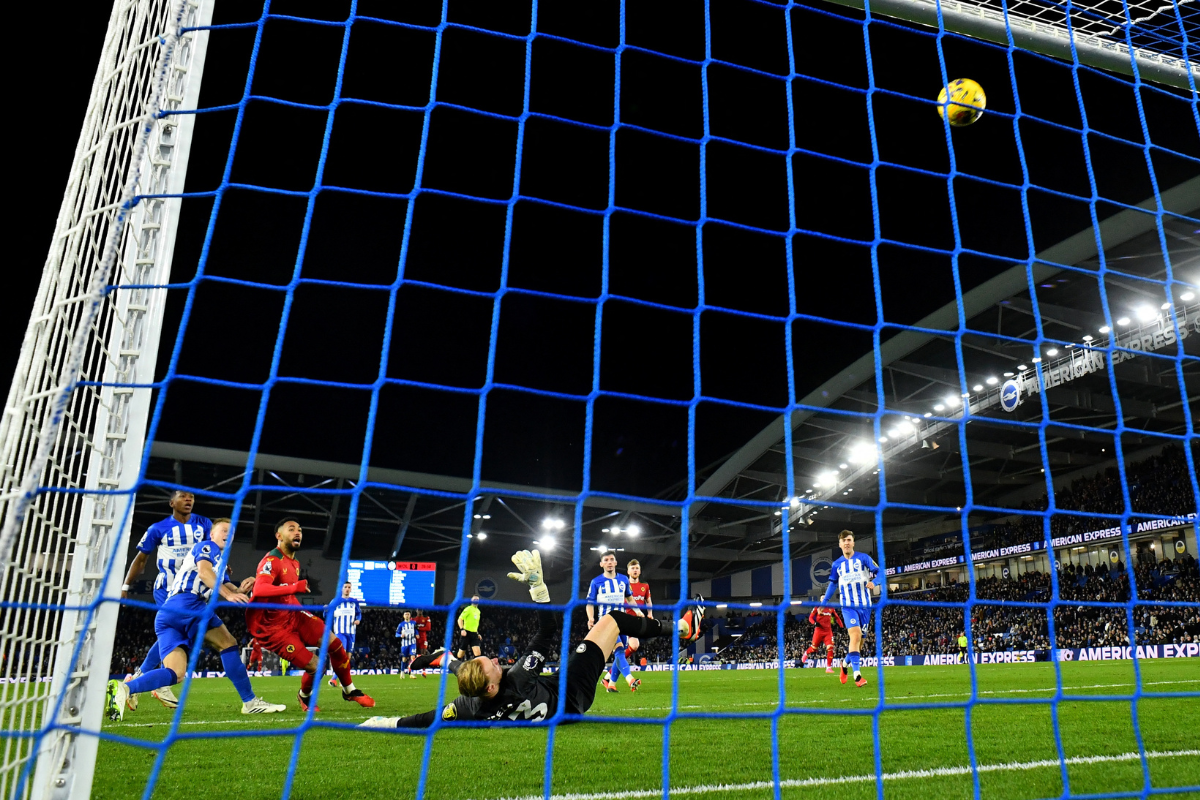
456, 253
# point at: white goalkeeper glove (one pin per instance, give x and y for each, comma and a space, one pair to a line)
530, 566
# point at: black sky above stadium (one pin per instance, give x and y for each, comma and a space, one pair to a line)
441, 337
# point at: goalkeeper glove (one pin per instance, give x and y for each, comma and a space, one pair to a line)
530, 566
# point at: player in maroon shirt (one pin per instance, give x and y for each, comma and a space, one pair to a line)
289, 633
823, 619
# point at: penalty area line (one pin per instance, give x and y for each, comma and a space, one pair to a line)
795, 783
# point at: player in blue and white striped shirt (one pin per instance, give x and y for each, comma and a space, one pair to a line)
611, 592
406, 632
854, 574
347, 613
181, 618
170, 540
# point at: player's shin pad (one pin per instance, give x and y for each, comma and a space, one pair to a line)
642, 627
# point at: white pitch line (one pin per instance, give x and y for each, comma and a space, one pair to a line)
793, 783
792, 704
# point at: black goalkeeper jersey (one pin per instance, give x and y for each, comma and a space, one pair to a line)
524, 695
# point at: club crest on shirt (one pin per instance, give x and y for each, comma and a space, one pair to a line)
531, 661
291, 648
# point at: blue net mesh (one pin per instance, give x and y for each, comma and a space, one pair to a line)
1171, 28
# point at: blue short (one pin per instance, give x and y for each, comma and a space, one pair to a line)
347, 640
852, 616
408, 650
160, 593
175, 629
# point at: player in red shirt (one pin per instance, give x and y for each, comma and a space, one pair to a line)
424, 626
286, 633
256, 654
823, 619
641, 599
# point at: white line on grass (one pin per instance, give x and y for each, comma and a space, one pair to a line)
893, 699
939, 772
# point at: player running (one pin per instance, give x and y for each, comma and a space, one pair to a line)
182, 614
424, 626
347, 613
468, 629
406, 632
641, 598
853, 573
611, 591
521, 693
287, 633
171, 540
823, 618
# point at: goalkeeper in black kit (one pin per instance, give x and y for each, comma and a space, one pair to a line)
521, 693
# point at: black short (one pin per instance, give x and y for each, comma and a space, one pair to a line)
583, 671
472, 639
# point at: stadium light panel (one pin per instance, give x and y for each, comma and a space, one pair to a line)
882, 439
1165, 306
1022, 367
1187, 296
1087, 337
861, 452
977, 387
842, 466
928, 414
1009, 374
778, 513
940, 407
795, 503
992, 380
481, 536
1123, 321
1052, 352
1037, 359
548, 543
756, 604
722, 605
953, 402
487, 516
1105, 329
479, 516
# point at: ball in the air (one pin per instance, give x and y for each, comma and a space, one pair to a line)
962, 102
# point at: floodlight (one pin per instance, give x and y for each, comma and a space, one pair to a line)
1144, 313
992, 380
1187, 296
939, 407
633, 530
1052, 352
481, 535
977, 387
1123, 321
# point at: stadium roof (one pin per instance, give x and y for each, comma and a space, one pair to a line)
923, 464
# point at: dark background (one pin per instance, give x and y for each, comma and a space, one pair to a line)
457, 248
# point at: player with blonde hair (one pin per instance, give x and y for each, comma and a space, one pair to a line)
521, 693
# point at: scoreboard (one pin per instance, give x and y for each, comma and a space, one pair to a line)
393, 583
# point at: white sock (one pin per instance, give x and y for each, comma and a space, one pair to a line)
857, 674
629, 678
347, 687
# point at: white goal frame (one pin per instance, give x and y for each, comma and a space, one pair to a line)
75, 419
1096, 38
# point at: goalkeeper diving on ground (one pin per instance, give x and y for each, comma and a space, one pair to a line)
522, 693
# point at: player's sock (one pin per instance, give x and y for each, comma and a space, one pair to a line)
809, 652
641, 627
235, 670
619, 663
306, 683
829, 659
154, 679
339, 659
855, 661
613, 672
153, 661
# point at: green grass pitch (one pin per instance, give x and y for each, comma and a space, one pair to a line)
924, 751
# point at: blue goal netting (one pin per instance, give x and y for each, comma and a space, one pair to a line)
810, 131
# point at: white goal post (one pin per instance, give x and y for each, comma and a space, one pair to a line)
1097, 29
74, 423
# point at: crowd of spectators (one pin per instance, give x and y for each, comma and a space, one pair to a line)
1157, 485
924, 626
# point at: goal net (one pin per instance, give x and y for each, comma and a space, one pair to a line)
702, 147
74, 423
